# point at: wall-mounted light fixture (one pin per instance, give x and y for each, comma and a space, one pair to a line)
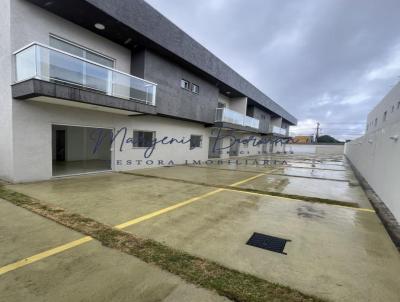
394, 137
370, 141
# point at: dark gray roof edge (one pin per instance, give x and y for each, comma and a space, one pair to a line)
147, 21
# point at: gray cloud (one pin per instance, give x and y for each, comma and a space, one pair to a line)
330, 61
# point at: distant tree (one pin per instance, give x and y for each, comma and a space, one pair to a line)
327, 139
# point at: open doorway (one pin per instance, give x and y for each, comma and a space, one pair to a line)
77, 150
214, 147
234, 147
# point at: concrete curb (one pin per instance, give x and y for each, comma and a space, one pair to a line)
385, 215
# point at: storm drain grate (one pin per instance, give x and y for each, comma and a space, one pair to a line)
266, 242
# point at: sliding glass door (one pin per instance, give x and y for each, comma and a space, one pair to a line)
78, 72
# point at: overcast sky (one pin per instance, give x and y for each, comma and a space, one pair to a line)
330, 61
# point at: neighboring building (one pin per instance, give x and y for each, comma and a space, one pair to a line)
302, 139
73, 71
377, 154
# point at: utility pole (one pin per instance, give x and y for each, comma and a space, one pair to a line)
317, 133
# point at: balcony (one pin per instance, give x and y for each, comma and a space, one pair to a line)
226, 115
48, 64
278, 130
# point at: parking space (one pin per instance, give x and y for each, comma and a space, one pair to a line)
335, 185
337, 253
111, 198
311, 187
86, 272
212, 177
318, 173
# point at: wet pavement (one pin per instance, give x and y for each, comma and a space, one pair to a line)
337, 253
88, 272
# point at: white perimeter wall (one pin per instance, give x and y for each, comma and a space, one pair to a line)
315, 149
377, 157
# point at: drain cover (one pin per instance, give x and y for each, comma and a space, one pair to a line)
266, 242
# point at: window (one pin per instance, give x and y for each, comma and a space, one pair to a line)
263, 116
221, 105
190, 86
81, 51
75, 71
392, 108
376, 122
398, 105
195, 141
143, 139
185, 84
385, 116
195, 88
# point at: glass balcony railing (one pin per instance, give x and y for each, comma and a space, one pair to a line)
37, 61
233, 117
278, 130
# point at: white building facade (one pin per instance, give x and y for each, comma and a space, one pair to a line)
77, 97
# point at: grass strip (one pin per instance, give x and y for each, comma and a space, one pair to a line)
232, 284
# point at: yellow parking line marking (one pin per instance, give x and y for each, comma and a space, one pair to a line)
45, 254
246, 180
181, 204
75, 243
166, 210
295, 199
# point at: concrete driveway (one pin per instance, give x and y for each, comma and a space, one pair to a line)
336, 251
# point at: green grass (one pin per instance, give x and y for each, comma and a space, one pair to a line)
235, 285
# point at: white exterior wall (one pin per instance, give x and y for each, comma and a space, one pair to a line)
277, 122
377, 156
6, 148
250, 149
224, 99
33, 152
239, 104
31, 23
31, 121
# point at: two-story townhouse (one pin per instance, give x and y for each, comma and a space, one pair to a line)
89, 86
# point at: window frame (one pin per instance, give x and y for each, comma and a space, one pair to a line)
85, 49
144, 131
186, 82
195, 85
201, 141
